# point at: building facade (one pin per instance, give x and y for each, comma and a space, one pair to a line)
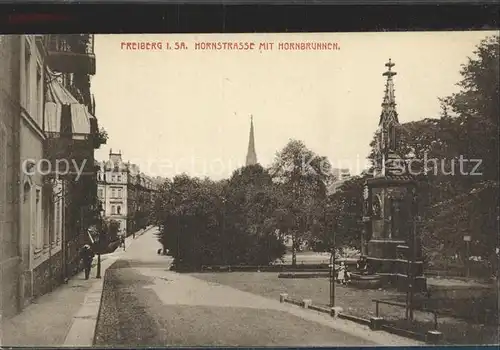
125, 192
10, 114
73, 135
39, 119
112, 189
340, 177
40, 234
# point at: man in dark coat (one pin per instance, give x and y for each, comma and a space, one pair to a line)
87, 256
362, 265
122, 241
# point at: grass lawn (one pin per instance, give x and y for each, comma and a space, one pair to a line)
354, 301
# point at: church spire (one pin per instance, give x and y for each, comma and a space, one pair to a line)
251, 154
389, 113
388, 129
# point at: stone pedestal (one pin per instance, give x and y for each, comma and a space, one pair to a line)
283, 297
384, 261
393, 251
433, 337
335, 311
376, 323
366, 281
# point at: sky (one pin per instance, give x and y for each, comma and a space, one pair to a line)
188, 111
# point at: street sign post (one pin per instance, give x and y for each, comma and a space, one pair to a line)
467, 239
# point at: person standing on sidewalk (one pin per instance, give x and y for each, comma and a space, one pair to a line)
87, 255
122, 241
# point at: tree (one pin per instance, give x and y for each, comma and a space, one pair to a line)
348, 206
453, 202
340, 214
107, 230
302, 177
100, 138
476, 109
204, 222
250, 204
473, 122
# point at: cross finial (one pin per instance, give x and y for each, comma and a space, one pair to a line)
390, 64
389, 74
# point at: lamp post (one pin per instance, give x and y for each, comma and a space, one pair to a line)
332, 261
416, 218
411, 267
224, 243
99, 244
332, 278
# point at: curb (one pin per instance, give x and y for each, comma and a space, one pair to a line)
82, 330
83, 326
433, 337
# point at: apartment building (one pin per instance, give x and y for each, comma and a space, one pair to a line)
125, 192
10, 114
39, 119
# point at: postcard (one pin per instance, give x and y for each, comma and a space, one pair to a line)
293, 189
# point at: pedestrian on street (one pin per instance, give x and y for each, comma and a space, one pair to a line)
122, 241
87, 256
362, 265
343, 275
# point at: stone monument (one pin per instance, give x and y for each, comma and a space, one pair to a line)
390, 242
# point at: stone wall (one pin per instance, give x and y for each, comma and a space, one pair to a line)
73, 247
9, 287
47, 275
383, 249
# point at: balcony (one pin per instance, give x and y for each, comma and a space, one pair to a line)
71, 54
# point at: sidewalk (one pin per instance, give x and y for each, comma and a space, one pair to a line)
64, 317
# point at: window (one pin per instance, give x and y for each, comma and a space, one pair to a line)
27, 77
118, 209
57, 220
113, 178
37, 218
101, 193
120, 193
113, 211
119, 178
113, 193
39, 95
49, 211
